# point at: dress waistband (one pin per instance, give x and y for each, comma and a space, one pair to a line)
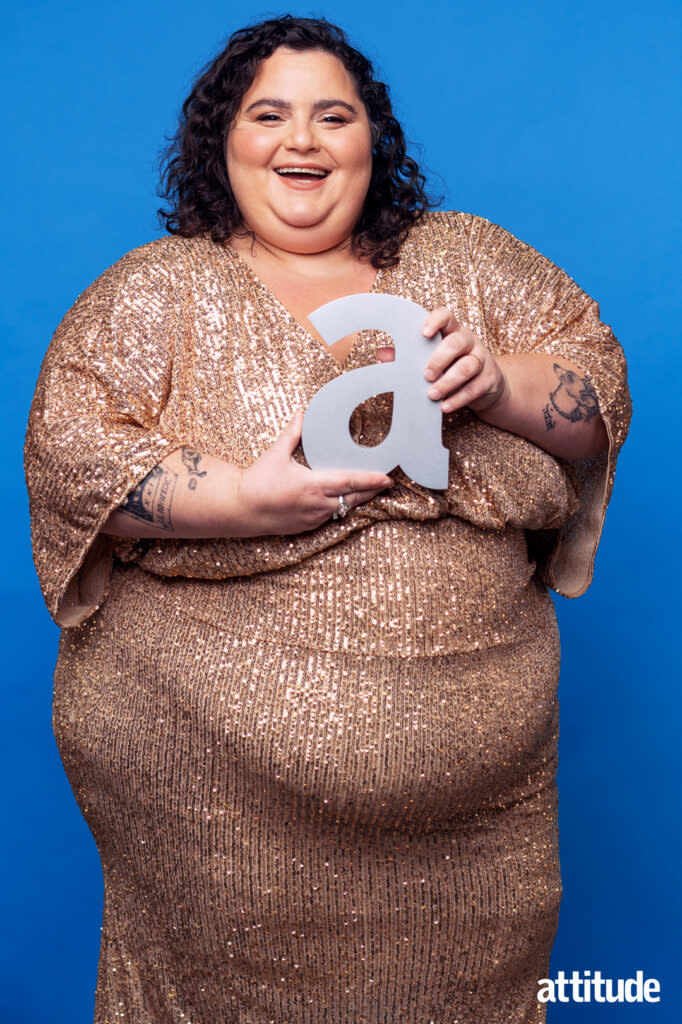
398, 588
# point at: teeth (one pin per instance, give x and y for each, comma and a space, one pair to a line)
301, 170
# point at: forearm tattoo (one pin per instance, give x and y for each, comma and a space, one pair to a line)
574, 399
191, 459
152, 499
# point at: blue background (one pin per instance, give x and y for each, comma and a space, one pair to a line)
559, 122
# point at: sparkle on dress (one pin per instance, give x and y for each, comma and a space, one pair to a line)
320, 768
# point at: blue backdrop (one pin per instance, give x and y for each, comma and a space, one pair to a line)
559, 122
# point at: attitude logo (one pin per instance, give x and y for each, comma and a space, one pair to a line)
588, 987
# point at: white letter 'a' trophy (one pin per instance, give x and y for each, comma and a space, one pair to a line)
414, 441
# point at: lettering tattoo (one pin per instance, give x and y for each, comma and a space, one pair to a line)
574, 399
191, 459
151, 500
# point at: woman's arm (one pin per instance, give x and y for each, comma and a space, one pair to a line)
186, 495
549, 401
544, 398
192, 495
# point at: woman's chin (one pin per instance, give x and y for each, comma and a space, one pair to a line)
301, 216
305, 234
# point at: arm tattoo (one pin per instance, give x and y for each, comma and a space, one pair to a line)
575, 399
151, 500
191, 459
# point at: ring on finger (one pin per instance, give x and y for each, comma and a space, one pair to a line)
479, 361
343, 509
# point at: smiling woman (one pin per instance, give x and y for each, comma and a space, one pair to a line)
311, 718
261, 84
267, 137
301, 172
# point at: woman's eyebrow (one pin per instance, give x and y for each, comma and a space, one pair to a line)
270, 101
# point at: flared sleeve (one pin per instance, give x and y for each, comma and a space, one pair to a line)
96, 426
531, 305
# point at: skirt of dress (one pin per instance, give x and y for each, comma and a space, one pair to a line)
320, 795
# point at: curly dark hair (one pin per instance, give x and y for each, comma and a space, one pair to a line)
194, 177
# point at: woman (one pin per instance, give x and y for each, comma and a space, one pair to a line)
311, 718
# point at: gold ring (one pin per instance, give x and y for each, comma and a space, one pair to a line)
479, 361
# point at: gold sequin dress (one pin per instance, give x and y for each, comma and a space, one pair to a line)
319, 769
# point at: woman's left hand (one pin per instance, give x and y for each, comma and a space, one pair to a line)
463, 369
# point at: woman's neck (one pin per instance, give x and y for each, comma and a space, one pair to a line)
339, 259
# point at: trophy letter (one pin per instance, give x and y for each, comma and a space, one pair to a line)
414, 441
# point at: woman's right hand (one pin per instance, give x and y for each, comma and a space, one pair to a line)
277, 495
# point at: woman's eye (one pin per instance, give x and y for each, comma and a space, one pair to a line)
329, 117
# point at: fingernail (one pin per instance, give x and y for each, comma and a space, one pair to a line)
426, 330
430, 374
433, 393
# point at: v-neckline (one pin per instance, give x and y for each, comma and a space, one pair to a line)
320, 346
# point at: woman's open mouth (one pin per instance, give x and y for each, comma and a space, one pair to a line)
305, 177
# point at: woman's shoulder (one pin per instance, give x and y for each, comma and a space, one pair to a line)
468, 225
455, 235
159, 266
164, 255
483, 241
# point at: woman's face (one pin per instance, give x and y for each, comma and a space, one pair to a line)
302, 109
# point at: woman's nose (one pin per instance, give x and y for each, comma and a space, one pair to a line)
301, 134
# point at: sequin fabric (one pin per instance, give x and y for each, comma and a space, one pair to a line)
320, 769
